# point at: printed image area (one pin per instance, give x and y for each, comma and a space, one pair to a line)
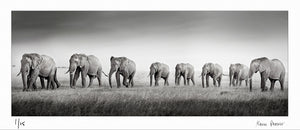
149, 63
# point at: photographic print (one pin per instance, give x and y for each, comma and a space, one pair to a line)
149, 63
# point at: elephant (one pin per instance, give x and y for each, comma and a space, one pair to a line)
34, 65
122, 66
185, 70
159, 70
269, 69
237, 73
215, 71
87, 65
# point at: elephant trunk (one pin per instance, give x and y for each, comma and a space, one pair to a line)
202, 78
71, 70
250, 78
250, 84
176, 77
24, 79
151, 77
230, 77
71, 80
109, 77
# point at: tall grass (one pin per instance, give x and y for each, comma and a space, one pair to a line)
142, 100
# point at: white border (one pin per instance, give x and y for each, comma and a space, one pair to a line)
7, 121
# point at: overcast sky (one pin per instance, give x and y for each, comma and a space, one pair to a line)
146, 37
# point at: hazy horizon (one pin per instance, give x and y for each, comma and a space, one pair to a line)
171, 37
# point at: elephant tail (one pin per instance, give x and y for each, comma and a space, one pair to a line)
104, 74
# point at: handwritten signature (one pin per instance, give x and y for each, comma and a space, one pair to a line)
271, 123
19, 123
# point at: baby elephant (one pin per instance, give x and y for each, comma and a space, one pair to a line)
185, 70
215, 71
34, 65
159, 70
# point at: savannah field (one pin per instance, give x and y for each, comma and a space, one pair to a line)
142, 100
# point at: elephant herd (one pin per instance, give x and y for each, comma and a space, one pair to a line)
35, 66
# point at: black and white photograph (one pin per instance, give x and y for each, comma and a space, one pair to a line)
141, 64
149, 63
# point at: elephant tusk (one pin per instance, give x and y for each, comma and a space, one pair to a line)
18, 73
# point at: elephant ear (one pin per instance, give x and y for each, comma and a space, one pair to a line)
157, 66
83, 59
261, 68
211, 67
36, 60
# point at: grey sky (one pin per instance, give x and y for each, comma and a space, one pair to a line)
172, 37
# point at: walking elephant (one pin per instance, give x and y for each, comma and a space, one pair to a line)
269, 69
159, 70
87, 65
215, 71
237, 73
185, 70
122, 66
34, 65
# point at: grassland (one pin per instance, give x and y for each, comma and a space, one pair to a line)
142, 100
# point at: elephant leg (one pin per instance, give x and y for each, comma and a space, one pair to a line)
76, 76
99, 77
125, 78
83, 77
246, 81
188, 81
48, 83
52, 83
179, 79
33, 78
214, 81
239, 78
207, 81
91, 80
118, 79
34, 86
158, 78
131, 79
272, 84
28, 78
263, 81
132, 82
55, 79
42, 82
219, 81
184, 79
193, 80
